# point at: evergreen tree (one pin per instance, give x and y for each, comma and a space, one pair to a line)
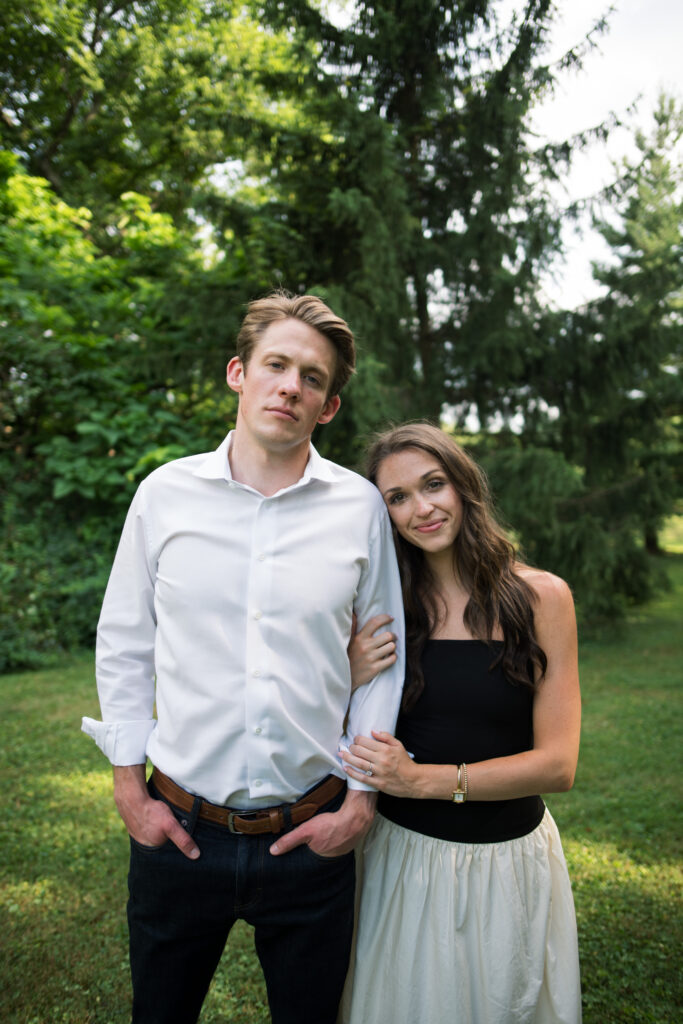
413, 194
635, 442
602, 427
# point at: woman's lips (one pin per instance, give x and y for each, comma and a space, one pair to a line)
430, 527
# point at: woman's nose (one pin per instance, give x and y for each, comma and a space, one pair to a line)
423, 505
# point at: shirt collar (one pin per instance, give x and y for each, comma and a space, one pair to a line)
318, 468
216, 466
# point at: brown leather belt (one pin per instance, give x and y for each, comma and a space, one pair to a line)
268, 819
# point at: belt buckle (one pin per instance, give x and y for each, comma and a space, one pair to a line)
231, 823
248, 815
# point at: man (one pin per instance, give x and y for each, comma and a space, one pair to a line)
234, 587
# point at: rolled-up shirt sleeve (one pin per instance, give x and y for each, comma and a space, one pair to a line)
376, 705
125, 647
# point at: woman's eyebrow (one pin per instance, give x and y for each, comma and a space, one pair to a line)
425, 476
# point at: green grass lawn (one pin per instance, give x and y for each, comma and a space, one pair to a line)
64, 852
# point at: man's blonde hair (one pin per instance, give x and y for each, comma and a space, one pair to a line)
280, 305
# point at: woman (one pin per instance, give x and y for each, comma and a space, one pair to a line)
466, 911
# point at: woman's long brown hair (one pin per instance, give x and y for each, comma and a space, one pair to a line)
484, 560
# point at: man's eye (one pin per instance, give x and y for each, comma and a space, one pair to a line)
312, 380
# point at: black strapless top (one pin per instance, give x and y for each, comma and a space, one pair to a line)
466, 712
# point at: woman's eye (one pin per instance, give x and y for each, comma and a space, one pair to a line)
434, 485
396, 498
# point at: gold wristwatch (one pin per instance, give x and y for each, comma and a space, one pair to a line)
460, 793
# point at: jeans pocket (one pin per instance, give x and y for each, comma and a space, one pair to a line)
321, 858
147, 849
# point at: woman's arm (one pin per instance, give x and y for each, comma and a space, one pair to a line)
549, 767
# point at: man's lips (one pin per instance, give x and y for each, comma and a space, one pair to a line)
286, 413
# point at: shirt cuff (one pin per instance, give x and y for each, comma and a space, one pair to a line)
123, 743
355, 784
350, 782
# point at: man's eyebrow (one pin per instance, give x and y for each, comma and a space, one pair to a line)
271, 353
316, 368
283, 358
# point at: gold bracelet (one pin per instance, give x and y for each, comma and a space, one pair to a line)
460, 794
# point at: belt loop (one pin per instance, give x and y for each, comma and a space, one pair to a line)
194, 814
286, 818
275, 817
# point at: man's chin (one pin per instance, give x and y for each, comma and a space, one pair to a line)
280, 438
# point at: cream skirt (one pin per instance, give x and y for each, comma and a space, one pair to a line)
463, 933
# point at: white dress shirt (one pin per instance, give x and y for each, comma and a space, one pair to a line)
240, 606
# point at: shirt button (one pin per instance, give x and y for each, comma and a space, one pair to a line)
256, 673
257, 782
261, 556
257, 615
258, 730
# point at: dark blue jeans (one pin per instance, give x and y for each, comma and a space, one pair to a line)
181, 911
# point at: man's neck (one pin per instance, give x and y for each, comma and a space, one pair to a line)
266, 471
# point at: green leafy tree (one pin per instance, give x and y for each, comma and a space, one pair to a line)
103, 98
83, 418
131, 110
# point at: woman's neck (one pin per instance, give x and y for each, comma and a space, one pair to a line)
452, 597
444, 571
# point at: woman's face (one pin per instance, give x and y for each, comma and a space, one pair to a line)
423, 504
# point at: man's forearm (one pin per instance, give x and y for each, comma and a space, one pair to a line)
359, 805
130, 794
130, 784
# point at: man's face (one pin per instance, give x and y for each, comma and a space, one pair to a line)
283, 391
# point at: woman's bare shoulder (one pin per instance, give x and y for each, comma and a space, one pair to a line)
551, 590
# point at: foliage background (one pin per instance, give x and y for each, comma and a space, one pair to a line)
162, 163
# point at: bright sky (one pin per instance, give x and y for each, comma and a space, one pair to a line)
640, 55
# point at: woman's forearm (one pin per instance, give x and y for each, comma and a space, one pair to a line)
500, 778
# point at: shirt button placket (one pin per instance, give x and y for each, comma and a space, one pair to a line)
257, 669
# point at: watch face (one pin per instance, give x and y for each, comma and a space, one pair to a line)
458, 798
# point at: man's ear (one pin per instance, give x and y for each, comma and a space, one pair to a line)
330, 409
235, 374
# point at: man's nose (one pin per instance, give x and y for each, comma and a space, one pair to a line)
290, 383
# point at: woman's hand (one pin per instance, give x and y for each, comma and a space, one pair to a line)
369, 654
383, 762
